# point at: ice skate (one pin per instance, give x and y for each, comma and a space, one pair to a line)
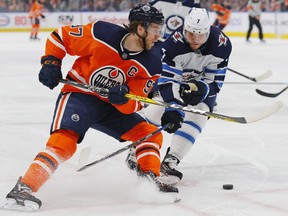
20, 198
131, 160
168, 192
169, 174
165, 188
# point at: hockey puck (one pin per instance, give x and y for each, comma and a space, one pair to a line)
228, 186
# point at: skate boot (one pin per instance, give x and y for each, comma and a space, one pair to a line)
131, 160
20, 198
162, 187
167, 192
169, 174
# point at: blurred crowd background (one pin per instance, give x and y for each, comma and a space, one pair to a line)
123, 5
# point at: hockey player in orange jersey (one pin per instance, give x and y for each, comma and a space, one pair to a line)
35, 13
223, 12
120, 59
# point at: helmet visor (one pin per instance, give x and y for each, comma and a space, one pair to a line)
156, 29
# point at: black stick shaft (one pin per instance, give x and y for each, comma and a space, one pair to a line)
243, 75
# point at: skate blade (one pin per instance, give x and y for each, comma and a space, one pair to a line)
148, 193
11, 204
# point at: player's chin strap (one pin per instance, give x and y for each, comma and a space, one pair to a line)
145, 26
143, 39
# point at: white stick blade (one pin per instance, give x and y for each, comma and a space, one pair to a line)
84, 156
265, 113
264, 76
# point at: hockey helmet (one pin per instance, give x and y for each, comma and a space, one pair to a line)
146, 14
197, 21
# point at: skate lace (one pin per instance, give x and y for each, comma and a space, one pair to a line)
24, 189
171, 162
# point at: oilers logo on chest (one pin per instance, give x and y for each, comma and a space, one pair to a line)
107, 77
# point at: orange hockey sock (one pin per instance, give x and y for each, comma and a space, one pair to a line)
59, 148
147, 152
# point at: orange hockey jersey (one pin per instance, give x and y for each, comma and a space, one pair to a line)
104, 62
223, 13
36, 10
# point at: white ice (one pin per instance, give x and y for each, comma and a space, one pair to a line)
253, 157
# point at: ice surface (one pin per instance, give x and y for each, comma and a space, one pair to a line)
252, 157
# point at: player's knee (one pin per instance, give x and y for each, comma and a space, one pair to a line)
157, 138
63, 143
141, 130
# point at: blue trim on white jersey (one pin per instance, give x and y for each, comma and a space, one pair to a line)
170, 69
221, 71
164, 80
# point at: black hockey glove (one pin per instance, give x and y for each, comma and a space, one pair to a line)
50, 72
42, 16
116, 94
174, 117
194, 92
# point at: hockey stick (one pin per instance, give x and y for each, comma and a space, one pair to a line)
120, 150
254, 79
243, 120
256, 83
266, 94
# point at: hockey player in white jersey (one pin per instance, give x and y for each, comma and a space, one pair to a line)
174, 12
195, 59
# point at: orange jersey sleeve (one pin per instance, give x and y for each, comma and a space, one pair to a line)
74, 40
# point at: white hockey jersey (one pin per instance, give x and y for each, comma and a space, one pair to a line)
174, 12
181, 64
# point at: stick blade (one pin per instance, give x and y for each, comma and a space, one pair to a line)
266, 94
263, 76
83, 158
265, 113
